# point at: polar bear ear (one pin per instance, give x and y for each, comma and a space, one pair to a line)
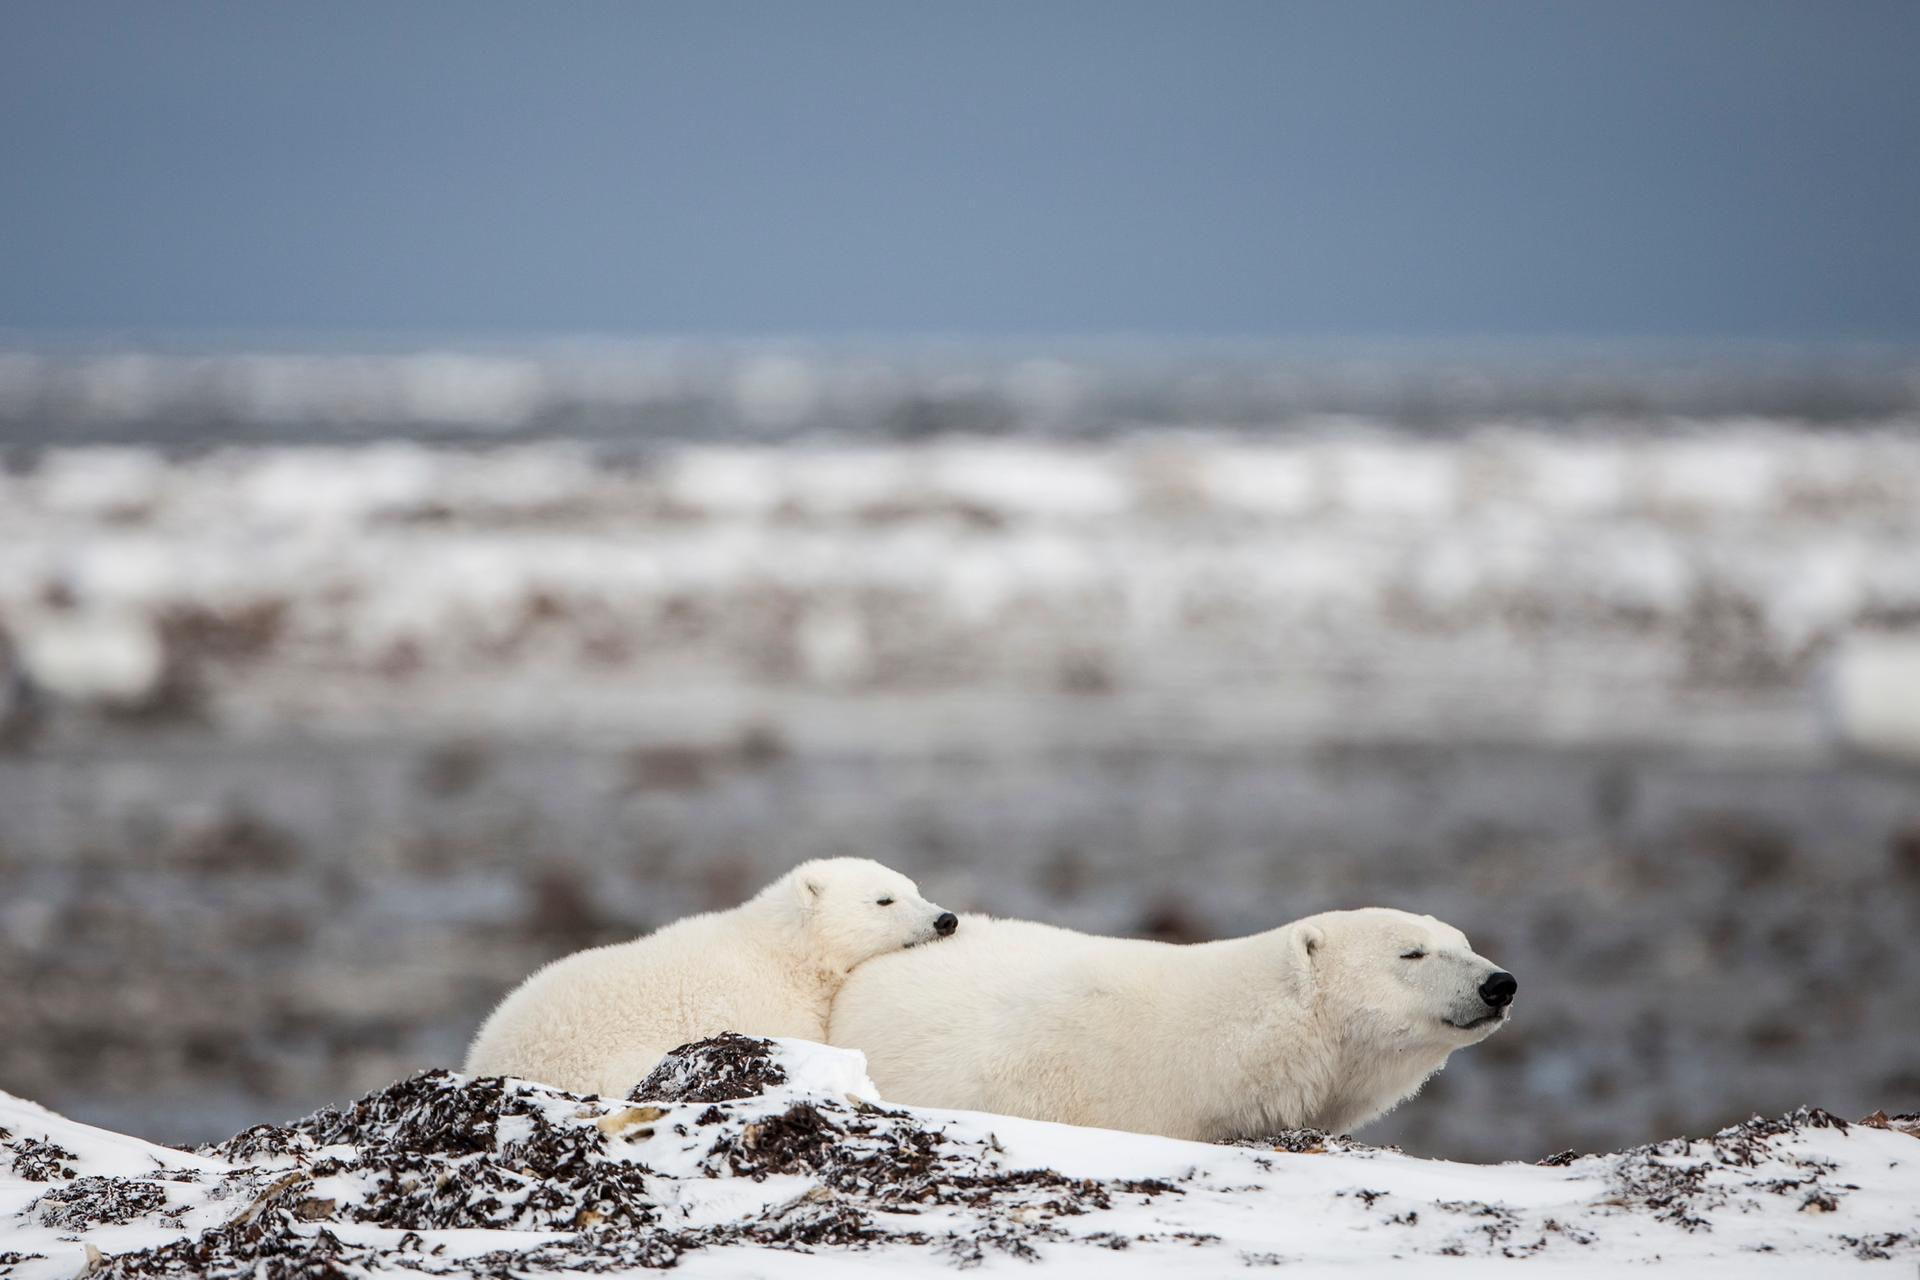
1307, 941
807, 890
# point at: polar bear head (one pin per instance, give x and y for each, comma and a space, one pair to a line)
1405, 978
852, 909
1394, 994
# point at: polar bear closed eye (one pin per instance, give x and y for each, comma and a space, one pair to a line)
597, 1021
1327, 1022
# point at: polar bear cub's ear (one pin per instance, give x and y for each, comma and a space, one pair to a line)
806, 891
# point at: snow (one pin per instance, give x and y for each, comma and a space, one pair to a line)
1874, 695
811, 1175
112, 657
1717, 565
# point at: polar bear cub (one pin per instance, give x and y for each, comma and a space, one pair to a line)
599, 1020
1327, 1023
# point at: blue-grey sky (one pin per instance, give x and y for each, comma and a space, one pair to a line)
1353, 167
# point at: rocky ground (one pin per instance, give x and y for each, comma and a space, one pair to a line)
741, 1157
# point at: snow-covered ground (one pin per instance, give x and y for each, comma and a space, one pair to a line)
748, 1158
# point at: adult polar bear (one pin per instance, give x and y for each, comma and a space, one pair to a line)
597, 1021
1327, 1022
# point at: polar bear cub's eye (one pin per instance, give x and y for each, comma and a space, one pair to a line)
1415, 954
884, 902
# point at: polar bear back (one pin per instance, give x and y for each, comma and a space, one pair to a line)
1029, 1019
597, 1021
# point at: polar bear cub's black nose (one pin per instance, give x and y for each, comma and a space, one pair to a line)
945, 923
1498, 990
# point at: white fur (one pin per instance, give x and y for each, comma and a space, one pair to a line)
1320, 1023
597, 1021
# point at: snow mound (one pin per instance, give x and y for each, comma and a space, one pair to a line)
737, 1147
727, 1068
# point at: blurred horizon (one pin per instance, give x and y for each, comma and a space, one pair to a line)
621, 394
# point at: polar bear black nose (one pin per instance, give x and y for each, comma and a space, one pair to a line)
1498, 990
945, 923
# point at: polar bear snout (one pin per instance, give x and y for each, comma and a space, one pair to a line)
943, 925
1482, 1006
1498, 989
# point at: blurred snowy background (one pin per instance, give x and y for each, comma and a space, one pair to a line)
365, 682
